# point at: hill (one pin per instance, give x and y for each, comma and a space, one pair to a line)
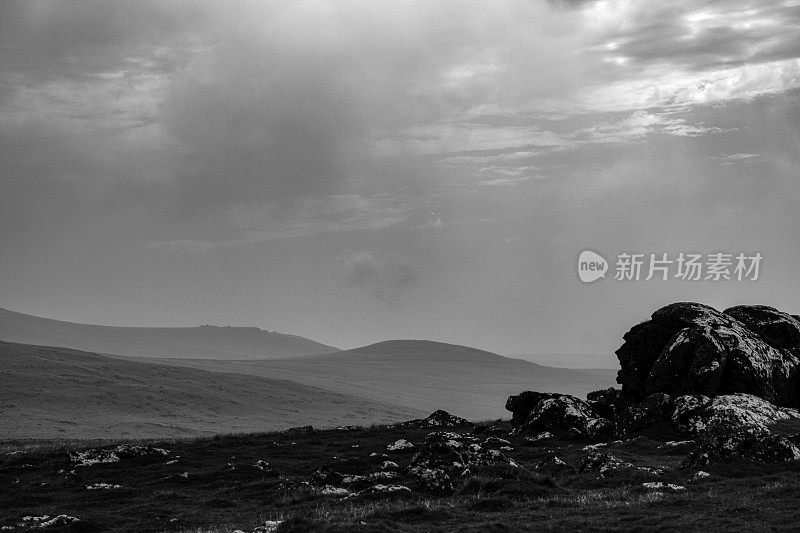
59, 392
202, 342
421, 374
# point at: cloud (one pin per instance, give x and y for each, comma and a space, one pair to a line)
689, 52
378, 277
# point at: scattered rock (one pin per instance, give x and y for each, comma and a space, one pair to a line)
300, 430
266, 468
389, 465
445, 455
116, 454
46, 522
399, 444
700, 474
660, 485
102, 486
383, 491
329, 490
544, 435
333, 478
553, 465
435, 480
270, 526
602, 463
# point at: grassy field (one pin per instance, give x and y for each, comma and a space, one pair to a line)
211, 484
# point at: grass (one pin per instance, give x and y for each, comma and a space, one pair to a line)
738, 496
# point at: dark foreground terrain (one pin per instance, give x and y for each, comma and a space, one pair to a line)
218, 484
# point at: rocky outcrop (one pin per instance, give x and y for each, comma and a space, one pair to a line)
445, 455
653, 410
59, 523
692, 349
695, 415
719, 444
606, 402
523, 403
382, 492
557, 412
437, 419
123, 452
721, 379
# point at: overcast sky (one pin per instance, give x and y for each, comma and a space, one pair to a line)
359, 171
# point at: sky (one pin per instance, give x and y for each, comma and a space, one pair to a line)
360, 171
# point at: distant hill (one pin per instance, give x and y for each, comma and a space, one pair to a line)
202, 342
424, 375
51, 392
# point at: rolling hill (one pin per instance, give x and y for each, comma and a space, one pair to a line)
202, 342
51, 392
421, 374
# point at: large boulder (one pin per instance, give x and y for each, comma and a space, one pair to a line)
563, 412
692, 349
523, 403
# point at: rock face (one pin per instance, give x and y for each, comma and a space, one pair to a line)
692, 349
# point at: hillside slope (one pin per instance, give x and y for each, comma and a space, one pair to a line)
424, 375
58, 392
197, 342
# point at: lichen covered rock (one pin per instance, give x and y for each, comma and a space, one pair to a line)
437, 419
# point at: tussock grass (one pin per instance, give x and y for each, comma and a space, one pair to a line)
739, 495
